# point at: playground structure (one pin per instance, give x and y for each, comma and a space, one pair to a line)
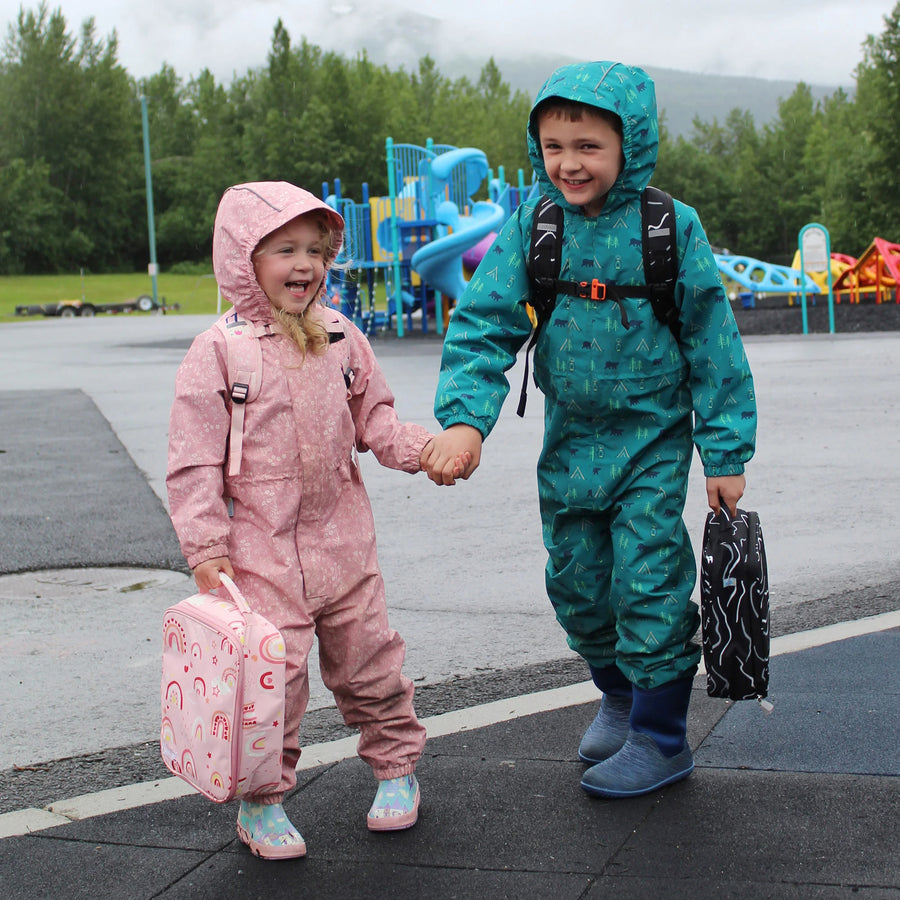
839, 263
876, 273
421, 239
418, 245
873, 276
758, 277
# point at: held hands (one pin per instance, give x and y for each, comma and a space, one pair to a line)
454, 453
727, 489
206, 574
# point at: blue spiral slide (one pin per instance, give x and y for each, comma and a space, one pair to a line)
439, 262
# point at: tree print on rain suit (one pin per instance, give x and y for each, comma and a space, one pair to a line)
623, 406
301, 536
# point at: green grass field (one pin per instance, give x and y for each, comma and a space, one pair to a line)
192, 293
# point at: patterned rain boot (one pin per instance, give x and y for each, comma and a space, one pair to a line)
656, 752
396, 804
268, 832
609, 730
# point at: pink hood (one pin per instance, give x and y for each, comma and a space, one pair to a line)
246, 214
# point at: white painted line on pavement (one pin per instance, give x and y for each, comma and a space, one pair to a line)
27, 821
24, 821
115, 799
828, 634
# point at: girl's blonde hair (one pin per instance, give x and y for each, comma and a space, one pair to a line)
306, 331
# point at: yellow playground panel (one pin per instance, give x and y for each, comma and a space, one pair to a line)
381, 213
839, 264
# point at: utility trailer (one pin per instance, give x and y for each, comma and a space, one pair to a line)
69, 309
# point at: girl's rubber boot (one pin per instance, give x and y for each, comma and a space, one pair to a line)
268, 832
396, 804
656, 752
607, 733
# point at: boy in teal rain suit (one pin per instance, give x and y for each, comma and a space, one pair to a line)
624, 403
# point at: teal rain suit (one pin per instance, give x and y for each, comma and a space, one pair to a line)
623, 406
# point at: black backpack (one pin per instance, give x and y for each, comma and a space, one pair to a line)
734, 607
660, 268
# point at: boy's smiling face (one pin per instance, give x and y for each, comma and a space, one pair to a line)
583, 158
290, 264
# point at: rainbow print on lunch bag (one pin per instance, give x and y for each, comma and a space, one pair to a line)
222, 696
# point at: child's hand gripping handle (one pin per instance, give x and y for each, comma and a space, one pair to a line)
236, 595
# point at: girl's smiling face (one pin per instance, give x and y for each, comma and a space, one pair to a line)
583, 157
290, 264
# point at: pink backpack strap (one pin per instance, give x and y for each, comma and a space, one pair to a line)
244, 360
334, 325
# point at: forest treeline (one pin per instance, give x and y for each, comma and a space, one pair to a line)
72, 187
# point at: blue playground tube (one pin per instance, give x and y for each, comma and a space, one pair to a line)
439, 262
764, 277
461, 170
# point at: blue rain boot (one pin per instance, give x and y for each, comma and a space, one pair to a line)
268, 832
396, 804
656, 752
607, 733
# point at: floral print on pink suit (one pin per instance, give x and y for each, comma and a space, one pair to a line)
301, 535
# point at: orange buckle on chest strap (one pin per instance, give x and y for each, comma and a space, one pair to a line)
595, 291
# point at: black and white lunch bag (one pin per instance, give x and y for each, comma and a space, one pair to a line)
734, 607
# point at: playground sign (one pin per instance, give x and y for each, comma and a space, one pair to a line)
815, 256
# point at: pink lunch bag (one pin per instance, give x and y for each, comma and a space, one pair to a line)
222, 696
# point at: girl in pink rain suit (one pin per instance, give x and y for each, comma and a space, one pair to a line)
294, 525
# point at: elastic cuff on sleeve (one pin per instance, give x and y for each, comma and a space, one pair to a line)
478, 424
415, 451
200, 556
718, 471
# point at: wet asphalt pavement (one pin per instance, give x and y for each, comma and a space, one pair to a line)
88, 562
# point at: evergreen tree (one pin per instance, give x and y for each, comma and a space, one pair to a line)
71, 167
67, 105
878, 102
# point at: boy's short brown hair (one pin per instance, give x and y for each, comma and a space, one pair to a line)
574, 111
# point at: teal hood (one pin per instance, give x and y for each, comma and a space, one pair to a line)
624, 90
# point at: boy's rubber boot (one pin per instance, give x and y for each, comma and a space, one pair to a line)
609, 730
656, 752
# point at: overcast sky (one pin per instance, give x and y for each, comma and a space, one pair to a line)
816, 41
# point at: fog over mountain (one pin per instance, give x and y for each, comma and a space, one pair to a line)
396, 38
750, 55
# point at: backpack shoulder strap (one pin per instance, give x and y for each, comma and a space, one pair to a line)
660, 254
543, 264
658, 245
244, 362
334, 325
545, 256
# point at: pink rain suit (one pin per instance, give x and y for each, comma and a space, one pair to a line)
301, 535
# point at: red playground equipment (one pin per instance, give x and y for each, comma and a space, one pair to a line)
876, 272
